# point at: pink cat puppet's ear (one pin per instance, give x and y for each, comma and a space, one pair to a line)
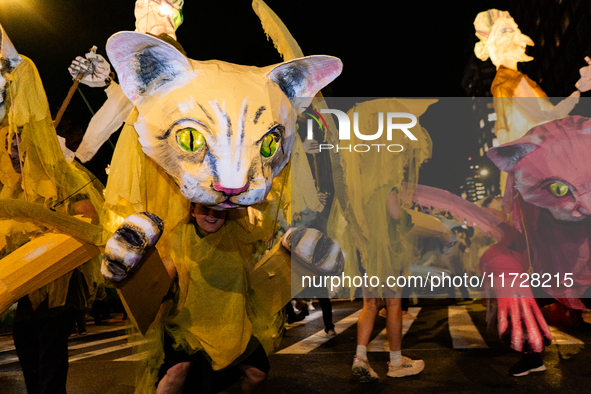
146, 64
506, 156
302, 78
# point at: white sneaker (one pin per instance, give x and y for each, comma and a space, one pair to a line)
362, 369
331, 333
407, 367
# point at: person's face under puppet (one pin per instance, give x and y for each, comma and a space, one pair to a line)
506, 44
208, 219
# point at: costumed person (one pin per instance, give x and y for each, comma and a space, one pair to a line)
182, 372
369, 222
547, 196
447, 256
320, 163
216, 134
520, 103
160, 18
33, 170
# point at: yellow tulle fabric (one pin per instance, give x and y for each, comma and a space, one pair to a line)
46, 177
359, 220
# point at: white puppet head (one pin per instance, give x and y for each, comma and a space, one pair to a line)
9, 59
221, 131
500, 39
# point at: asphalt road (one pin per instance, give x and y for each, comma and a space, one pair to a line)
460, 354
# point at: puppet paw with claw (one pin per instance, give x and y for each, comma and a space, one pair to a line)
584, 84
130, 244
96, 70
315, 249
521, 322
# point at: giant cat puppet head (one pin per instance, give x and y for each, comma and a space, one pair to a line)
221, 131
551, 167
9, 59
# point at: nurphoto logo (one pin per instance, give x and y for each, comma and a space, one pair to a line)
393, 125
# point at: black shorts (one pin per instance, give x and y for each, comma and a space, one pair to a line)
202, 378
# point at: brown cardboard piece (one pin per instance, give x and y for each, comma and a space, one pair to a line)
39, 262
142, 294
426, 226
274, 271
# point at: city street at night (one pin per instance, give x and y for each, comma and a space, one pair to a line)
460, 355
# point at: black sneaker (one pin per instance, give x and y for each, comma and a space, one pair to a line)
295, 318
530, 362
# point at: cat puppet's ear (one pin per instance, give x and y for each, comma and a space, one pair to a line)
8, 53
506, 156
300, 79
144, 64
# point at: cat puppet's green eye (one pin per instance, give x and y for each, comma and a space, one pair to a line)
190, 139
269, 145
558, 189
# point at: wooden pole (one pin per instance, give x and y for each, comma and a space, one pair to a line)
316, 174
73, 88
66, 102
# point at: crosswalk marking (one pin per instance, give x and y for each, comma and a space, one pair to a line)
312, 316
312, 342
10, 347
380, 342
464, 333
8, 360
134, 357
106, 350
96, 343
82, 356
561, 338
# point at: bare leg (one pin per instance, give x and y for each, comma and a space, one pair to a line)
394, 321
367, 317
253, 378
174, 380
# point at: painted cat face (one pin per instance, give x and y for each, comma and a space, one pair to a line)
221, 131
552, 167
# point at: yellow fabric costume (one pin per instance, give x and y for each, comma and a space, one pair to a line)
359, 220
213, 312
46, 178
503, 89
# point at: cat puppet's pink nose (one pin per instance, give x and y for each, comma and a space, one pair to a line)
230, 191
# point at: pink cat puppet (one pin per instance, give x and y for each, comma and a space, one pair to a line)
548, 195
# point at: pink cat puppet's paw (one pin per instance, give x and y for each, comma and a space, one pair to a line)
521, 322
128, 246
314, 248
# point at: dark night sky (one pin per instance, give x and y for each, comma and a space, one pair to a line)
388, 48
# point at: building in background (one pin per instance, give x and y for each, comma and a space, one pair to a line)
482, 177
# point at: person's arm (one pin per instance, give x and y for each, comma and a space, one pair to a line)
394, 209
539, 109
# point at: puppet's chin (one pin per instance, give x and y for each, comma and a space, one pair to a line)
572, 216
226, 205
